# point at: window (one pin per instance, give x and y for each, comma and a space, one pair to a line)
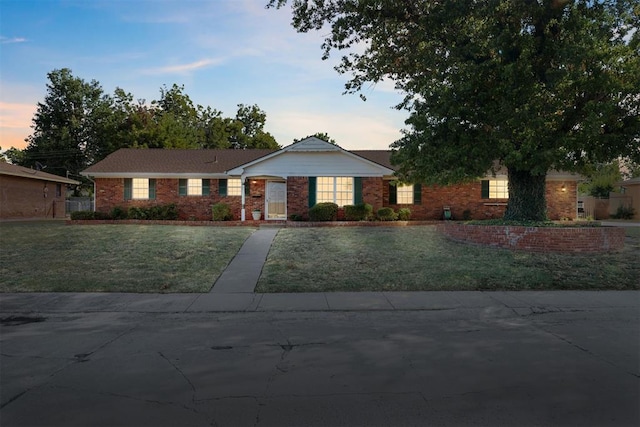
193, 187
139, 188
405, 194
495, 189
335, 189
234, 187
58, 190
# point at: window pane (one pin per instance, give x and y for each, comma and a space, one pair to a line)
498, 189
344, 191
194, 187
139, 188
405, 194
324, 189
234, 187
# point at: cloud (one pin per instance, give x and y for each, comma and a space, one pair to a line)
184, 68
10, 40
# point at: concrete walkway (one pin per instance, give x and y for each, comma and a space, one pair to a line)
243, 272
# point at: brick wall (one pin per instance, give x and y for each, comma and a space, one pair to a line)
25, 198
540, 239
110, 193
375, 191
298, 196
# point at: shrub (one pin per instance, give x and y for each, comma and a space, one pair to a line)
88, 215
404, 214
359, 212
386, 214
162, 212
466, 215
325, 211
135, 212
221, 212
624, 212
295, 217
118, 212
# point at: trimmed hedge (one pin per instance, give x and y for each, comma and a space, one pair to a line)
325, 211
89, 215
359, 212
386, 214
159, 212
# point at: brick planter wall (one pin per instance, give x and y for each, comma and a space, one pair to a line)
538, 239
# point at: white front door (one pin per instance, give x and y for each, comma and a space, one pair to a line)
276, 200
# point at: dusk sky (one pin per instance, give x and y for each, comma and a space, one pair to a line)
224, 52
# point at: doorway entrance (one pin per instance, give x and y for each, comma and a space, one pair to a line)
276, 200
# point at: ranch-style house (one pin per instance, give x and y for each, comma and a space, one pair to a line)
286, 182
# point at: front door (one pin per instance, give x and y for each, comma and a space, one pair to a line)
276, 200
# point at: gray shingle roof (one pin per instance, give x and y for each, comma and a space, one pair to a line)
206, 161
165, 161
15, 170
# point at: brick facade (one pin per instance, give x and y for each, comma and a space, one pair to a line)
25, 198
465, 200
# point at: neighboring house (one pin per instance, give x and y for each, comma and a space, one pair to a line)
27, 193
289, 181
630, 196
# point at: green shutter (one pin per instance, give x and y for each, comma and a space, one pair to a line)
152, 189
205, 187
222, 187
485, 189
182, 187
312, 191
127, 188
357, 190
417, 194
393, 194
247, 191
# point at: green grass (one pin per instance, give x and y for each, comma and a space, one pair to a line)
51, 256
418, 258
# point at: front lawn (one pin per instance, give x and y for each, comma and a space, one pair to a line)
51, 256
418, 258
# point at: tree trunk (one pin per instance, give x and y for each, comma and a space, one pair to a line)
527, 201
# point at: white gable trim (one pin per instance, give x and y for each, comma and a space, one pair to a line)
310, 146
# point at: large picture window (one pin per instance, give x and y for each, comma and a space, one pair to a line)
335, 189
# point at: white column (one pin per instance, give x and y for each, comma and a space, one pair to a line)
242, 211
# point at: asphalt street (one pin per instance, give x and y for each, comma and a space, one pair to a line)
406, 359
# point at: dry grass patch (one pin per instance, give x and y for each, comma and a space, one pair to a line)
418, 258
50, 256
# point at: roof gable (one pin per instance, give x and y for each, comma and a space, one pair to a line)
315, 157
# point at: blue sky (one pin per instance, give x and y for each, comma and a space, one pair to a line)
224, 52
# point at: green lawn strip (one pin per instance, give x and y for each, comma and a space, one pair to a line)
418, 258
47, 256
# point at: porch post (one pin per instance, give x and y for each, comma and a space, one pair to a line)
242, 214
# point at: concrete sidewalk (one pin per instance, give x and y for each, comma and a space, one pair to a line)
243, 272
523, 303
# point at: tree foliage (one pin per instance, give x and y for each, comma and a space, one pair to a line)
78, 124
529, 85
320, 135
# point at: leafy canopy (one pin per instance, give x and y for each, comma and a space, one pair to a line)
532, 84
78, 124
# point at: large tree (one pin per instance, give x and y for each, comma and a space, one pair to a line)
66, 124
528, 85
